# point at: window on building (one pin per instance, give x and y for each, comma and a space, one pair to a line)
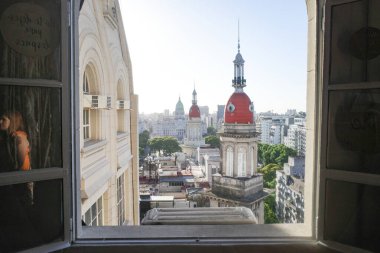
94, 215
120, 200
86, 124
86, 86
230, 161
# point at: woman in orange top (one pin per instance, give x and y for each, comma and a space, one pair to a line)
15, 152
14, 143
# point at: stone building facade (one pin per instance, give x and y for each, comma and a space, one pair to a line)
108, 118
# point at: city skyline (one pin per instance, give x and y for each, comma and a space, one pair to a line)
176, 46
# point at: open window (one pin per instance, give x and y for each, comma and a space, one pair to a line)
36, 82
350, 154
35, 159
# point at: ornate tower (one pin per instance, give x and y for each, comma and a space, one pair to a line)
238, 183
194, 127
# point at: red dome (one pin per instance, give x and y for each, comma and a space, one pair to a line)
194, 112
239, 109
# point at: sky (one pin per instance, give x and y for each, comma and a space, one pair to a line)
176, 45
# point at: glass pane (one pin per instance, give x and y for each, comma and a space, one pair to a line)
354, 131
30, 39
30, 135
352, 214
87, 217
355, 42
31, 214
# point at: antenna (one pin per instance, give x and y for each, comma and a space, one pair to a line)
238, 36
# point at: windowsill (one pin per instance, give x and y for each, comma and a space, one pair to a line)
93, 145
310, 247
196, 233
121, 136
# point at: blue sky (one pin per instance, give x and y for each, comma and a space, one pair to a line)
175, 44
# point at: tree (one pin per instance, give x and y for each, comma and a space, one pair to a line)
270, 216
211, 131
143, 142
213, 141
277, 153
166, 145
171, 145
269, 175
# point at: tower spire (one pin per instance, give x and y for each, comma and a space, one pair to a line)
238, 82
238, 36
194, 96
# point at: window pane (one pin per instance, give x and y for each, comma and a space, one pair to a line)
31, 128
31, 214
352, 214
30, 39
87, 217
355, 42
353, 131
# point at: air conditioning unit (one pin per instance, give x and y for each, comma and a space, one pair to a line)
122, 104
90, 101
95, 102
109, 102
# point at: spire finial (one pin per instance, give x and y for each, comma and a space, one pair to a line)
238, 36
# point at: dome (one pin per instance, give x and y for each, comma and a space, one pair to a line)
239, 109
179, 110
239, 59
194, 112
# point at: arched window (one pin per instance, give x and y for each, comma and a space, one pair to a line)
230, 161
242, 162
120, 110
90, 115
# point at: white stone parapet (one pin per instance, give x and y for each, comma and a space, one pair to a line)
199, 216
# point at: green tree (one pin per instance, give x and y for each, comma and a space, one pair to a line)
278, 154
213, 141
143, 141
270, 216
171, 146
166, 145
211, 131
269, 175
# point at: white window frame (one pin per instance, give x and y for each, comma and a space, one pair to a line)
96, 218
208, 233
86, 124
120, 199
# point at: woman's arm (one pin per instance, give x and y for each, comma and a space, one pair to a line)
23, 152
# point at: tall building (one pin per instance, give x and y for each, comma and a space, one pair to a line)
239, 184
108, 144
296, 139
219, 116
290, 191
